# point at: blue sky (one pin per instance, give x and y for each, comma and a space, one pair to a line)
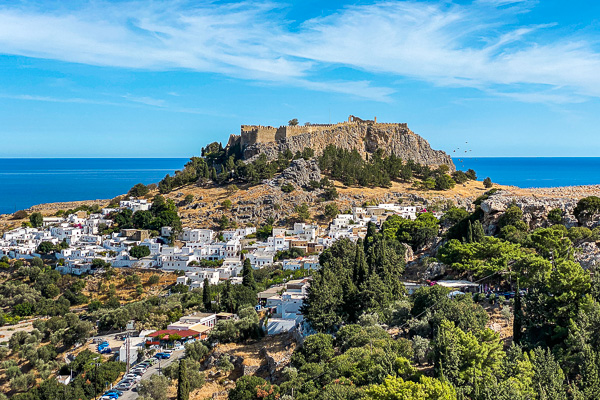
163, 78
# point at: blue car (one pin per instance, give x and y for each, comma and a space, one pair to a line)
118, 392
162, 355
112, 395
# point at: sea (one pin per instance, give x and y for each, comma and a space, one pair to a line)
534, 172
25, 182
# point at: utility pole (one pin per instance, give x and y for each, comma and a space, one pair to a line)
127, 352
95, 379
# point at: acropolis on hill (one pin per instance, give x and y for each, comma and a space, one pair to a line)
251, 134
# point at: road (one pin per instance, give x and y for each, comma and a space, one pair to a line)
176, 355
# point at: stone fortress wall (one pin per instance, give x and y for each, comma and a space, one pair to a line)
252, 134
365, 136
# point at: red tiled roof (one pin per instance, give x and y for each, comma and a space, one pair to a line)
184, 333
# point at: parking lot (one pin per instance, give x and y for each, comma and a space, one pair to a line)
132, 394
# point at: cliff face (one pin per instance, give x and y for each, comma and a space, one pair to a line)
366, 138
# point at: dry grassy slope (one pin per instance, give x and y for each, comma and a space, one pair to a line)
249, 201
127, 292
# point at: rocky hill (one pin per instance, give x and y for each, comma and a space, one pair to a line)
364, 136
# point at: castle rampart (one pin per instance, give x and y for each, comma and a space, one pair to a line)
253, 134
365, 136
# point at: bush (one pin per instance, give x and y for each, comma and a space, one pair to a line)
487, 183
226, 204
153, 280
330, 193
587, 207
287, 188
139, 251
331, 210
36, 219
224, 363
196, 351
302, 212
555, 216
138, 190
21, 214
444, 182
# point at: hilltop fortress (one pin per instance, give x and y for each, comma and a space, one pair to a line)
366, 136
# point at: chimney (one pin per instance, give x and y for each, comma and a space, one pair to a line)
375, 120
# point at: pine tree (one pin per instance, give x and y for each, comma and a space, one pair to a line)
213, 174
183, 383
248, 275
206, 295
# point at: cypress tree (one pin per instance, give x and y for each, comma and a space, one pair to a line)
226, 298
361, 269
248, 275
213, 174
183, 383
206, 295
518, 318
478, 233
470, 233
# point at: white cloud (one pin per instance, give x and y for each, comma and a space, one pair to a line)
445, 44
149, 101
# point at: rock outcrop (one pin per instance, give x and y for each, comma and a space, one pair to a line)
535, 209
301, 172
366, 138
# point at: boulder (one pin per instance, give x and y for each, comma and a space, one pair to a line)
301, 172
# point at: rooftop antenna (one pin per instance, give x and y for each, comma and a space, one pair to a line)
330, 115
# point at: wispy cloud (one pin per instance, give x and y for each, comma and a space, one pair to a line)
149, 101
445, 44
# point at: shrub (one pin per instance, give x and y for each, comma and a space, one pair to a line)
226, 204
188, 199
487, 183
555, 216
21, 214
138, 190
287, 188
587, 207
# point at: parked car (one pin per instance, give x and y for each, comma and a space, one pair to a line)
114, 391
124, 385
111, 395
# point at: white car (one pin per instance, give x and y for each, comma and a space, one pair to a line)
168, 351
134, 377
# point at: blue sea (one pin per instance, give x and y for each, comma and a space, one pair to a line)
28, 181
535, 172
